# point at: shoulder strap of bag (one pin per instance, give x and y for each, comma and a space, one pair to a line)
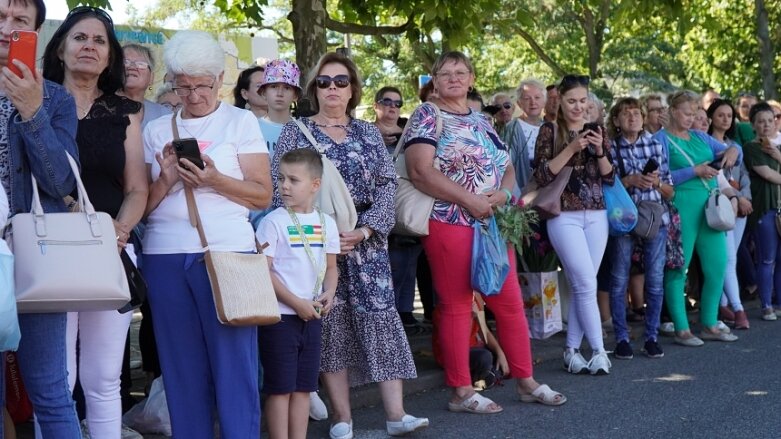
309, 136
192, 207
438, 131
689, 159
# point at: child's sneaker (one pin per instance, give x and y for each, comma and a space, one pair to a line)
623, 351
652, 349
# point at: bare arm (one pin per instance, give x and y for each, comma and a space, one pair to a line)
329, 284
135, 184
305, 309
254, 192
768, 174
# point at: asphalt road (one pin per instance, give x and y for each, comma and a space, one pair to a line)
720, 390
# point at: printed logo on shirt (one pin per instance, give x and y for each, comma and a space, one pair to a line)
203, 145
314, 234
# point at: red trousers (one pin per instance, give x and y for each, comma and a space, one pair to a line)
449, 252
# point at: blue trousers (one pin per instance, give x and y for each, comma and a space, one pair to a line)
404, 265
206, 365
620, 249
769, 249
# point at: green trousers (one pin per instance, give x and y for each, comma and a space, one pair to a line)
711, 246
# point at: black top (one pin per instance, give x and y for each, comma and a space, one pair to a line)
101, 139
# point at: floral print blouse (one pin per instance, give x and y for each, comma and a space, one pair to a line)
584, 190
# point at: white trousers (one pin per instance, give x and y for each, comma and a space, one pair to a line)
579, 238
731, 286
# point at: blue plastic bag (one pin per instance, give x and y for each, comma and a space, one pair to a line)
489, 258
9, 322
621, 210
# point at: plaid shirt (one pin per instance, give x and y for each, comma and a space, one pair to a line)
635, 156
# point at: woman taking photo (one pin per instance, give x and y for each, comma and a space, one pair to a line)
763, 158
722, 128
85, 56
362, 334
464, 196
206, 364
694, 156
582, 224
41, 122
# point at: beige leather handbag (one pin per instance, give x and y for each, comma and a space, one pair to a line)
67, 261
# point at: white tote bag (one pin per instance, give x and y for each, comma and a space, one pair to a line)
67, 261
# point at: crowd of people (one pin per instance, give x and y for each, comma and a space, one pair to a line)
346, 289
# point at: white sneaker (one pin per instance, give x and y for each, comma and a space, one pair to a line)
599, 364
574, 362
317, 409
408, 424
341, 430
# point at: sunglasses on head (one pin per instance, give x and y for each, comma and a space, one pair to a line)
569, 80
388, 102
325, 81
100, 13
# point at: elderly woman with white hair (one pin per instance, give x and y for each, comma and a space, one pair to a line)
206, 365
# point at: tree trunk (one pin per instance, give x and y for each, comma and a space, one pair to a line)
309, 33
766, 52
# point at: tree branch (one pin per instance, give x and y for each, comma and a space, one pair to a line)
361, 29
557, 69
280, 36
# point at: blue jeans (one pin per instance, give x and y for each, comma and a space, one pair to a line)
768, 244
45, 375
404, 263
620, 248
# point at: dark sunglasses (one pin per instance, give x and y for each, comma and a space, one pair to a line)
507, 105
570, 80
100, 13
325, 81
388, 102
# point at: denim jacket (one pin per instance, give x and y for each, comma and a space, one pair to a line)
37, 146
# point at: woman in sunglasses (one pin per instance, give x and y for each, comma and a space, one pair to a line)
695, 159
504, 103
579, 234
209, 368
472, 177
362, 333
387, 107
85, 56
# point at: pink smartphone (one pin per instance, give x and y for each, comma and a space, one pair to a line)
23, 47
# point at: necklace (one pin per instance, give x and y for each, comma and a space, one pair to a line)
344, 126
84, 111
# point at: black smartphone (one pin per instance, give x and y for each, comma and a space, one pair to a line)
650, 166
188, 149
716, 164
590, 126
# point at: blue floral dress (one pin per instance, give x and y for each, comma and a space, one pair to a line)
362, 333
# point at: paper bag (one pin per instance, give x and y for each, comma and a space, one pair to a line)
542, 303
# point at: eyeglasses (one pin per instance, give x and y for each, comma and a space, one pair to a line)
100, 13
171, 107
571, 80
137, 64
507, 105
657, 109
388, 102
460, 75
325, 81
201, 90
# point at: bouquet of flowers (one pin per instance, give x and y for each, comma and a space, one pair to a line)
538, 254
515, 221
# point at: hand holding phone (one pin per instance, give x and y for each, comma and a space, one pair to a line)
650, 166
188, 149
23, 46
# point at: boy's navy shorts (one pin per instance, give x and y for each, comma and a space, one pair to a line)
290, 355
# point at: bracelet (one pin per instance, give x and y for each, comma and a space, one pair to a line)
365, 233
600, 156
508, 194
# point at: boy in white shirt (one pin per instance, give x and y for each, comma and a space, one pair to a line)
303, 244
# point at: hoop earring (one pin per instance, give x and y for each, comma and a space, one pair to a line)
471, 89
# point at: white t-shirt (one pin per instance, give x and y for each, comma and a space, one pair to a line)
291, 262
530, 132
222, 135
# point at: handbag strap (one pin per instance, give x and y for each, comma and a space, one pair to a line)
309, 136
689, 159
192, 207
438, 129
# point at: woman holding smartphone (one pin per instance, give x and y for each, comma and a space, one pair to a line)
85, 56
582, 224
690, 154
